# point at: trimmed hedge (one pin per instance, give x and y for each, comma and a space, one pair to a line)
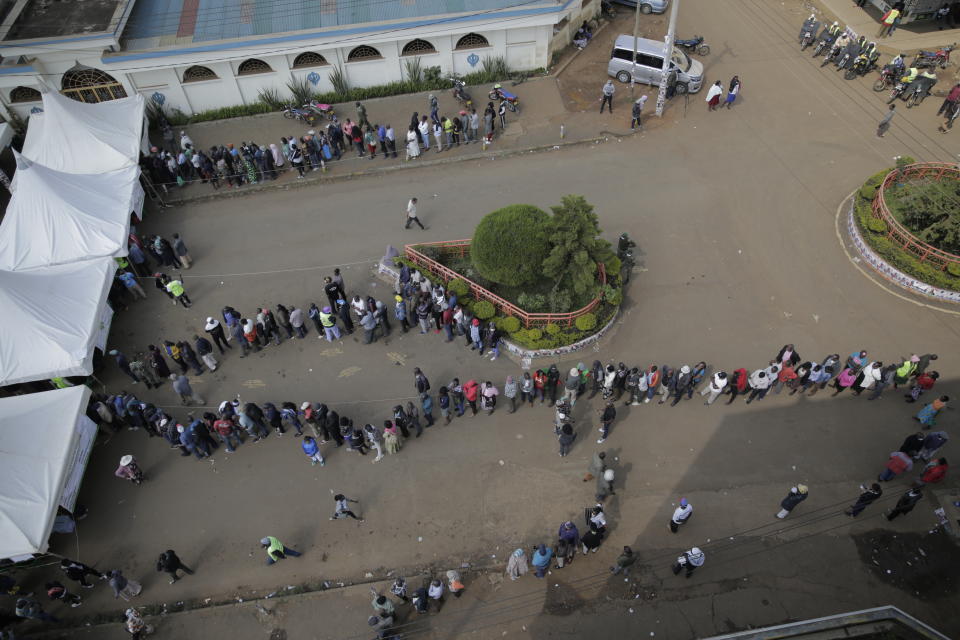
586, 322
510, 244
483, 309
510, 324
458, 286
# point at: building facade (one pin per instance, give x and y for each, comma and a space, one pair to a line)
199, 57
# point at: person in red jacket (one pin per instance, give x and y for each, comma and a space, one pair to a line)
935, 471
923, 382
470, 388
897, 464
738, 384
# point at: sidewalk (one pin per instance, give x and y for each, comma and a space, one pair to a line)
556, 110
906, 39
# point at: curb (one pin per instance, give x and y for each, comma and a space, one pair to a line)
493, 155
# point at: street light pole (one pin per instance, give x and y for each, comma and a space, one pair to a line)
667, 56
636, 35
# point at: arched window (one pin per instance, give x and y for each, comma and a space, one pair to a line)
25, 94
198, 73
363, 52
86, 84
472, 41
416, 47
309, 59
252, 66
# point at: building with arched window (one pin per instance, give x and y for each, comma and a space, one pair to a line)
197, 56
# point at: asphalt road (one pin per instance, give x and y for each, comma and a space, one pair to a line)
734, 213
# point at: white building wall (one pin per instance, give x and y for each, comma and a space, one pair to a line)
525, 45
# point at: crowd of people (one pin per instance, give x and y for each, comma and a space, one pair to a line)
180, 162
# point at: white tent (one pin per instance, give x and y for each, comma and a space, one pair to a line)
45, 442
76, 137
53, 317
56, 218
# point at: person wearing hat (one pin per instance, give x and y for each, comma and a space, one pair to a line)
541, 560
400, 312
637, 109
129, 470
797, 495
568, 531
691, 560
680, 515
276, 550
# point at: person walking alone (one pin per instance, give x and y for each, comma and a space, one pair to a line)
342, 508
884, 123
680, 515
412, 215
867, 496
906, 503
637, 110
169, 562
797, 495
607, 98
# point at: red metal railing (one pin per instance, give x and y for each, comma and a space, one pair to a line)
461, 248
895, 230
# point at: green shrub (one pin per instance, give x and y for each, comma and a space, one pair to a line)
954, 269
876, 225
340, 83
532, 301
510, 324
271, 97
483, 309
510, 244
552, 329
612, 266
546, 343
459, 287
301, 90
534, 334
586, 322
559, 301
613, 296
520, 336
867, 191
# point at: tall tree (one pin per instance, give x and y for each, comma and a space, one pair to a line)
576, 246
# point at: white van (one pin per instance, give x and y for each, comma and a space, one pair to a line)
650, 64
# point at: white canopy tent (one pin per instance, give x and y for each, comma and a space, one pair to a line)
45, 442
76, 137
57, 218
53, 319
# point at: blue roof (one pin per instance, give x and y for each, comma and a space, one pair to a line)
158, 23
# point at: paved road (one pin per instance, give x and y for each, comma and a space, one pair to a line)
734, 213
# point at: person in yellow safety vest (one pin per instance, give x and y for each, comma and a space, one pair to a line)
175, 288
905, 370
888, 22
276, 550
911, 75
448, 130
835, 29
329, 323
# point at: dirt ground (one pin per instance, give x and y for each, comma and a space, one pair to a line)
735, 217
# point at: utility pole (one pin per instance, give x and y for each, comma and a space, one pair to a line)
636, 35
667, 56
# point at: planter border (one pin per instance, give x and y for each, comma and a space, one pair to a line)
526, 355
889, 272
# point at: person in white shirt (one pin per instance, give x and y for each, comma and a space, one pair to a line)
868, 377
435, 592
714, 387
759, 384
599, 519
424, 128
438, 134
412, 215
691, 560
680, 515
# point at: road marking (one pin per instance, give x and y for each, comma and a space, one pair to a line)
329, 353
254, 384
349, 371
399, 358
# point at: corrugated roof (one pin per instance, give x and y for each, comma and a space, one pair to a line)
157, 23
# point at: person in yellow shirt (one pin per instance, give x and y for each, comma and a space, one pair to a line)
276, 550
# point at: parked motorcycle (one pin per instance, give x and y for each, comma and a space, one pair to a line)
695, 44
304, 115
498, 93
832, 55
825, 43
322, 109
459, 92
929, 59
919, 89
858, 68
808, 32
888, 76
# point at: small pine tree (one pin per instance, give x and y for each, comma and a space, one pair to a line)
576, 246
